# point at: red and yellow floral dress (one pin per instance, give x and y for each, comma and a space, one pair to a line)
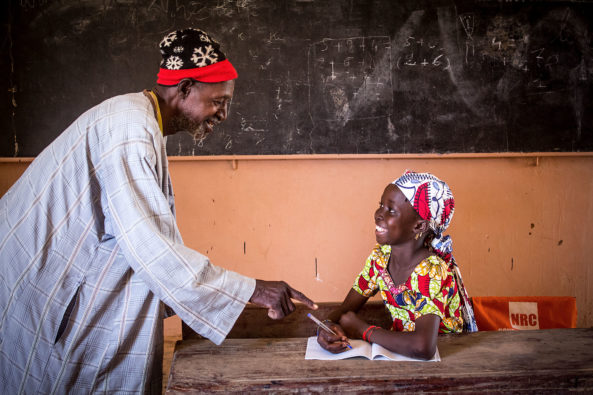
430, 289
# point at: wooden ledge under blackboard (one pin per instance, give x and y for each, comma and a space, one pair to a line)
234, 159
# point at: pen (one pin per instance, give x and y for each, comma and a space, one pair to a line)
325, 327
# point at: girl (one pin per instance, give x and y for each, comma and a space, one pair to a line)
413, 268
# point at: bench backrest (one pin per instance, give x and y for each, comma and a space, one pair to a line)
255, 323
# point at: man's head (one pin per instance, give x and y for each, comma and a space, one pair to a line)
196, 81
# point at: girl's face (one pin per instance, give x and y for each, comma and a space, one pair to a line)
395, 218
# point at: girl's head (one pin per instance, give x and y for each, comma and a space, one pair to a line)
414, 205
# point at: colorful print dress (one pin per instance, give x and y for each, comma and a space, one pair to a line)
430, 289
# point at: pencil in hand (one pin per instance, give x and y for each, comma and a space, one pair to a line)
325, 327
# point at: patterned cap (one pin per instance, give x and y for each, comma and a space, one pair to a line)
192, 53
433, 200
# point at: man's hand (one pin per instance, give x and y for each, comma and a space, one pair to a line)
276, 296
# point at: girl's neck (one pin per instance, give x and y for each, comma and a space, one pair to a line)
406, 257
403, 261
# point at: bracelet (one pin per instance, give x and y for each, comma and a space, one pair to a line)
364, 334
370, 333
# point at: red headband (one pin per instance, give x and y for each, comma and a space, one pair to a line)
217, 72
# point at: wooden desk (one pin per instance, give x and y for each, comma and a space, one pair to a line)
534, 361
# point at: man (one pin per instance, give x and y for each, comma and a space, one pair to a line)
91, 259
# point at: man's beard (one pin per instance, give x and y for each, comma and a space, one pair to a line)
197, 130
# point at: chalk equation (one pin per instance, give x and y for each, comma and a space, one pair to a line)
546, 53
350, 78
30, 4
423, 53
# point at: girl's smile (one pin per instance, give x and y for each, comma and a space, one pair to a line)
380, 230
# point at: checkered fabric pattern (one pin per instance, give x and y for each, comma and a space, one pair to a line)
90, 256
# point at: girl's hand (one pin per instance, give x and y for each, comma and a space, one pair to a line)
333, 343
353, 325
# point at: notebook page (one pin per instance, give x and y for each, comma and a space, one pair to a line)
315, 351
381, 353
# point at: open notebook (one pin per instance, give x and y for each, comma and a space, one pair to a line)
360, 348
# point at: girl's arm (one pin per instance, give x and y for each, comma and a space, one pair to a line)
352, 302
421, 343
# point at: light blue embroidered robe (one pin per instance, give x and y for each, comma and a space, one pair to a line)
91, 224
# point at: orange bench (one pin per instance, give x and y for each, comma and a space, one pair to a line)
524, 312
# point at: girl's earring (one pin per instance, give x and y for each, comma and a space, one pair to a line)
418, 235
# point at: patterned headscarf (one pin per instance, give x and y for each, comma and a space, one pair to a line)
433, 200
192, 53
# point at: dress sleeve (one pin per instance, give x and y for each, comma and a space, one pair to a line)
206, 297
433, 285
366, 282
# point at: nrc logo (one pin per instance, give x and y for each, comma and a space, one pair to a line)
523, 315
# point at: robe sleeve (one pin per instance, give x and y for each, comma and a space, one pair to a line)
206, 297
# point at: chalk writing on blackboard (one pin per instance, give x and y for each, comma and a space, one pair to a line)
426, 54
370, 76
351, 76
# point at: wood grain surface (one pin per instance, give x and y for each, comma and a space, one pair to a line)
557, 360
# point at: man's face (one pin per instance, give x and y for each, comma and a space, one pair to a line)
205, 106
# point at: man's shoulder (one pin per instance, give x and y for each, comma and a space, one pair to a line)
120, 111
129, 101
119, 120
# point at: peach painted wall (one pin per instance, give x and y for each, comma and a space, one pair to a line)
521, 225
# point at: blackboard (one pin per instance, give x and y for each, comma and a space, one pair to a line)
318, 77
